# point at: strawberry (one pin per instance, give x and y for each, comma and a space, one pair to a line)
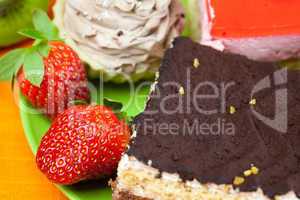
64, 81
84, 142
50, 74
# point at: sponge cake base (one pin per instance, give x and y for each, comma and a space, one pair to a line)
138, 181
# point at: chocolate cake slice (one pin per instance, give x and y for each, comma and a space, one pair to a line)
217, 126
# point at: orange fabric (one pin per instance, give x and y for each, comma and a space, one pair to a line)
19, 177
248, 18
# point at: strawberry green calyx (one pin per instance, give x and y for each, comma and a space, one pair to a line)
31, 58
118, 109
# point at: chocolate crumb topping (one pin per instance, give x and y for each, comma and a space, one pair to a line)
195, 136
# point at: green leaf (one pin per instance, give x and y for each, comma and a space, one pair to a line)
43, 48
33, 34
10, 63
117, 108
34, 67
43, 24
114, 105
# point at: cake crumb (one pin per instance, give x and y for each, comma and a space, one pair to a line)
112, 183
196, 63
252, 102
181, 91
149, 163
238, 180
232, 110
156, 75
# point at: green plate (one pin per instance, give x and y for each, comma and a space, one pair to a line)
36, 125
133, 97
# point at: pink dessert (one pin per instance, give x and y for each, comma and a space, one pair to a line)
267, 30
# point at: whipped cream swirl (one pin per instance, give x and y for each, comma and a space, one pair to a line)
123, 36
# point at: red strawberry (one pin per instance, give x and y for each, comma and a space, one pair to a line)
64, 81
84, 142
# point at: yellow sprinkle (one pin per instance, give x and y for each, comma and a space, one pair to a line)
252, 102
196, 63
181, 91
254, 170
238, 180
247, 173
277, 197
232, 110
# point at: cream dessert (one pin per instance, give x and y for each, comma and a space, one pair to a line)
259, 29
122, 39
